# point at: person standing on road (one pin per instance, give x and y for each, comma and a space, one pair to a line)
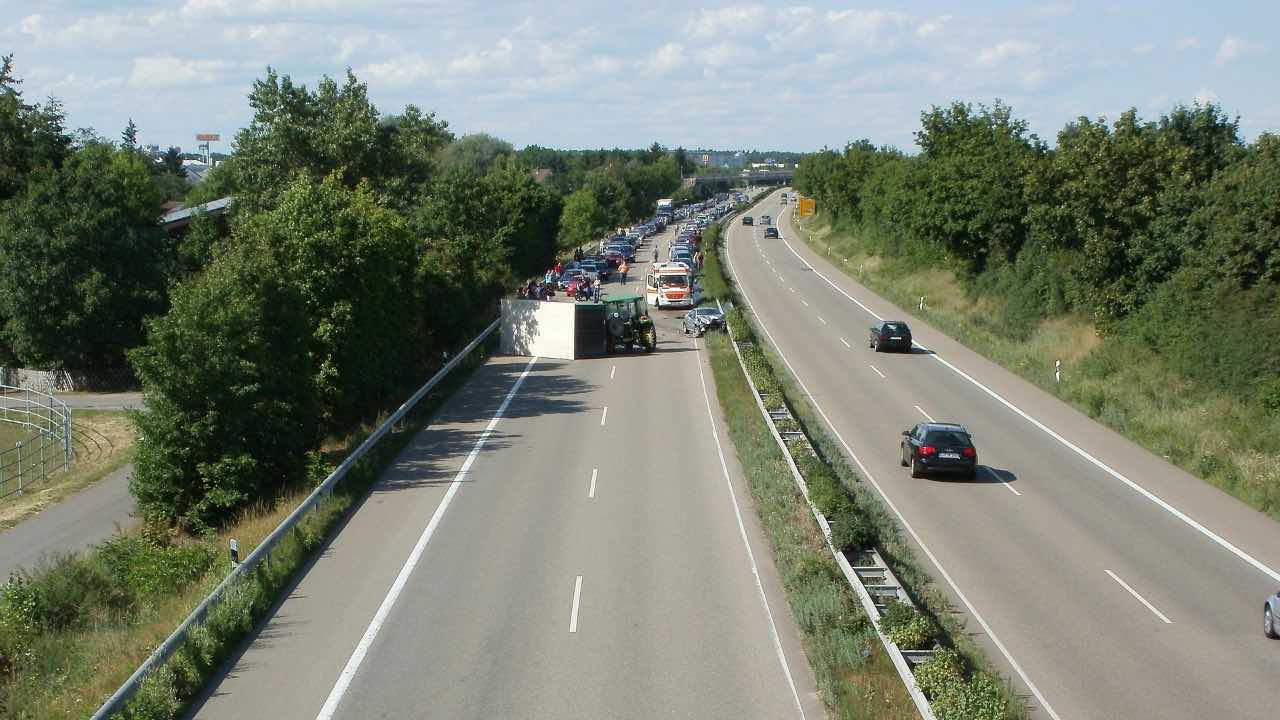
622, 271
655, 251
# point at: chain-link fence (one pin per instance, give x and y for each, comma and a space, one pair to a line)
43, 446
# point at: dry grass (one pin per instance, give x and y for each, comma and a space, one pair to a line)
103, 444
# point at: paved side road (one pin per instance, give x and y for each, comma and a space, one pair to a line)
84, 519
591, 562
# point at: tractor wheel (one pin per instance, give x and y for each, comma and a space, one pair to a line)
651, 340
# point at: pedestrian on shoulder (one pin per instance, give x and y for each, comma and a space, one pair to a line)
622, 271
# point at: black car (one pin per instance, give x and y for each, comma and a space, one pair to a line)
890, 335
746, 220
771, 232
939, 447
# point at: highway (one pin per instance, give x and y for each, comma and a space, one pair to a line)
1110, 583
595, 556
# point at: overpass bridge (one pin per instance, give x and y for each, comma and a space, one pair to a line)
766, 177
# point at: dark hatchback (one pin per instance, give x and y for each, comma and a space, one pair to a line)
771, 233
746, 220
890, 335
939, 448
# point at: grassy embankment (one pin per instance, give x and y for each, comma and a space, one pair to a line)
103, 444
1229, 443
73, 630
854, 675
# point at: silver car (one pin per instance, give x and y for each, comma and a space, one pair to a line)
1270, 609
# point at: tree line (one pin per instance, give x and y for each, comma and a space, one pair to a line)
1164, 232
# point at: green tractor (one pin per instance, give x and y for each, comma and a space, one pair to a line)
627, 324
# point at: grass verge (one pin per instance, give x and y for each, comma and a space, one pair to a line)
103, 444
958, 682
1230, 444
74, 629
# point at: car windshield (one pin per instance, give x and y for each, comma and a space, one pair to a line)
673, 280
896, 328
712, 312
948, 437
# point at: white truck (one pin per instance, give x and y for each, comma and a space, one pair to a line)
666, 207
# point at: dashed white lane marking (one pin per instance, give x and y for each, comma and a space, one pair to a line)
1140, 599
742, 532
592, 492
792, 289
824, 322
604, 416
1001, 480
922, 412
873, 367
612, 370
846, 343
577, 597
380, 617
802, 302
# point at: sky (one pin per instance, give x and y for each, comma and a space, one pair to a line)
577, 74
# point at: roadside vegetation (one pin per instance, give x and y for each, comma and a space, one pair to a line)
855, 676
1142, 255
103, 441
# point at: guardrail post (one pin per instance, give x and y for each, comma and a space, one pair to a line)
19, 467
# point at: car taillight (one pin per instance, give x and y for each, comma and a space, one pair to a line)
928, 449
969, 452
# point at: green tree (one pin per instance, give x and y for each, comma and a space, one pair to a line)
230, 409
474, 153
582, 219
31, 136
172, 162
92, 260
129, 138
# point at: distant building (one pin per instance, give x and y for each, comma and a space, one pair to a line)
541, 175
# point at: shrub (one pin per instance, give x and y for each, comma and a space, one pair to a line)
907, 628
850, 530
736, 321
18, 627
149, 566
69, 590
940, 674
982, 698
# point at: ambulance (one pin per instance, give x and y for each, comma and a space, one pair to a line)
669, 285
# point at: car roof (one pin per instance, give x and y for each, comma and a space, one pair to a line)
947, 426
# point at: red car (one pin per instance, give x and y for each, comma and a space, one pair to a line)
614, 257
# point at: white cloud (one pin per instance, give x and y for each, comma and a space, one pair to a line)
1004, 51
1205, 95
30, 25
1144, 49
605, 64
168, 71
1229, 50
872, 28
1187, 43
483, 61
664, 59
722, 54
932, 27
735, 19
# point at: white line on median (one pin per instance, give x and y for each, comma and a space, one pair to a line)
922, 412
1141, 599
742, 532
846, 343
577, 595
362, 648
592, 492
1216, 538
901, 518
604, 416
873, 367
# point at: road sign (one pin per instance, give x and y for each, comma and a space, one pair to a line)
808, 206
208, 137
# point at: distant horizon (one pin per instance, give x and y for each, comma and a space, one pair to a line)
722, 75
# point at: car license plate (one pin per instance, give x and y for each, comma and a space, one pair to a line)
949, 456
896, 337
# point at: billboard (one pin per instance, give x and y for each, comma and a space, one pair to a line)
808, 206
208, 137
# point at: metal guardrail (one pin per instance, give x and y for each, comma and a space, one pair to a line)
47, 450
116, 702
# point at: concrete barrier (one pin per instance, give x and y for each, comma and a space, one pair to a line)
541, 328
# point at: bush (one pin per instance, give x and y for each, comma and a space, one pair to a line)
736, 321
851, 531
982, 698
828, 495
18, 626
907, 628
149, 566
940, 674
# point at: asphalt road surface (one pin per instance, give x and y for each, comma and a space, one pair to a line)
1112, 583
598, 558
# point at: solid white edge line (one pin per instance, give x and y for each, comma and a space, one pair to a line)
388, 602
1139, 598
873, 367
901, 518
604, 415
742, 532
592, 492
1221, 541
846, 343
577, 596
925, 414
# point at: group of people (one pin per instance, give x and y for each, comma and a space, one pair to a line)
536, 291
